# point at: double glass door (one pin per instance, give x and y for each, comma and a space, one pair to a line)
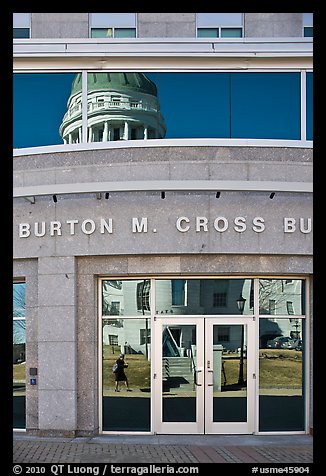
204, 375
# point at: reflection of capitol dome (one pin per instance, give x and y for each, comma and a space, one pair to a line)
121, 106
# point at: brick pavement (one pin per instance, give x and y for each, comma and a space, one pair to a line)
96, 450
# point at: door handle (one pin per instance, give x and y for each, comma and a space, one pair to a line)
211, 384
196, 382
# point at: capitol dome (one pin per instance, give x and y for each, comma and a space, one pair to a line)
121, 106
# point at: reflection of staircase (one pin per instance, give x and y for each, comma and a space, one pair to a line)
177, 373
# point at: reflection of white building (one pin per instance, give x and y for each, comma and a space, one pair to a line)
281, 297
177, 296
131, 335
173, 297
120, 106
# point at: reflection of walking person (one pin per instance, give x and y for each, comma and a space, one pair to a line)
120, 375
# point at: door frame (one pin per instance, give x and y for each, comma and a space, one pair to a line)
231, 427
161, 427
204, 392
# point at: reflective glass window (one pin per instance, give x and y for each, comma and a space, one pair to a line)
208, 32
113, 32
282, 296
231, 32
157, 105
21, 32
281, 374
21, 25
309, 105
113, 25
308, 31
265, 105
194, 104
39, 106
308, 21
126, 393
219, 19
126, 298
204, 296
19, 356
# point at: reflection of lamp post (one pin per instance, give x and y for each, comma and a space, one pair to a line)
143, 312
241, 303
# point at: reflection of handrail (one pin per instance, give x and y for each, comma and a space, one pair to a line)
168, 334
223, 371
166, 368
193, 366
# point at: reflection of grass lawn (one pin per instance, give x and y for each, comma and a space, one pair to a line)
280, 368
19, 372
277, 368
138, 371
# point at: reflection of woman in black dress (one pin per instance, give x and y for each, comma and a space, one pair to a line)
120, 375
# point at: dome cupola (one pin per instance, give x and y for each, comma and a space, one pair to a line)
120, 106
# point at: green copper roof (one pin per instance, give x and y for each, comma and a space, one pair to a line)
117, 81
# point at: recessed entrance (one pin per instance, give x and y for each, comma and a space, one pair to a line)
205, 356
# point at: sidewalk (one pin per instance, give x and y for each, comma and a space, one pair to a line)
292, 449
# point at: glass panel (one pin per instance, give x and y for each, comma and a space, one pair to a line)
134, 105
120, 102
125, 33
308, 19
184, 97
19, 373
204, 296
40, 103
208, 33
21, 20
231, 32
265, 105
20, 32
126, 298
282, 296
281, 383
229, 375
179, 373
308, 31
102, 32
127, 392
102, 20
219, 19
19, 301
309, 114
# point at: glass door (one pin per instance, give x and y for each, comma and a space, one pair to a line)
229, 375
180, 375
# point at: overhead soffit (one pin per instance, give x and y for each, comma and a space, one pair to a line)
157, 54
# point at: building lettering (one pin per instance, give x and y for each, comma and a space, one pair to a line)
183, 224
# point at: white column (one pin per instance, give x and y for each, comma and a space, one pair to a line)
105, 132
145, 132
69, 139
126, 131
90, 134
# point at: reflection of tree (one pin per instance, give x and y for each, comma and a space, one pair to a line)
114, 322
145, 287
274, 290
114, 284
19, 303
108, 308
19, 310
19, 332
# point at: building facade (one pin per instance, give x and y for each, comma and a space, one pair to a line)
163, 210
